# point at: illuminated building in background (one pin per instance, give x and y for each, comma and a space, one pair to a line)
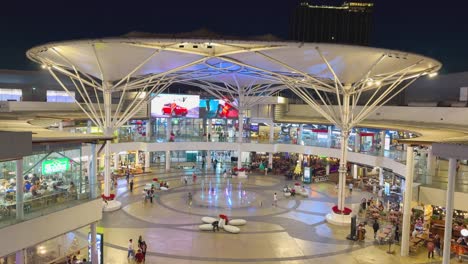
350, 23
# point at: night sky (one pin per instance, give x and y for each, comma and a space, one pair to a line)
439, 31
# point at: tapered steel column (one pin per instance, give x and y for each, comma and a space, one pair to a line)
452, 173
343, 170
168, 160
92, 171
407, 196
94, 251
19, 190
108, 131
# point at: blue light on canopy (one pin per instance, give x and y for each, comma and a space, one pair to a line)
222, 66
321, 69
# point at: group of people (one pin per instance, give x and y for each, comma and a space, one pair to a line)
164, 184
288, 189
221, 136
185, 178
140, 255
74, 260
35, 186
149, 195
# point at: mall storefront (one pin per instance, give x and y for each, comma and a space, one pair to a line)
53, 177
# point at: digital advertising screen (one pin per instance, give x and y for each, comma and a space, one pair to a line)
216, 108
175, 105
254, 127
99, 245
52, 166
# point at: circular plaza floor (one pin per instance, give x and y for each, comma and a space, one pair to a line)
294, 231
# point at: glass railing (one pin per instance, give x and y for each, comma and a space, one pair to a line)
43, 203
395, 154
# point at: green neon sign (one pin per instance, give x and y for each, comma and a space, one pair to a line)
55, 165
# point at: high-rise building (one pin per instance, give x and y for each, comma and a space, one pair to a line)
350, 23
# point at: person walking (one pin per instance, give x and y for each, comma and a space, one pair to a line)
437, 244
131, 185
139, 257
351, 188
190, 198
149, 196
130, 250
143, 248
215, 225
275, 200
194, 177
140, 241
397, 232
185, 179
430, 249
376, 228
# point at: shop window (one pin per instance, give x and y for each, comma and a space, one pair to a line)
10, 94
60, 96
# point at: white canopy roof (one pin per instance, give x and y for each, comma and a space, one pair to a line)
115, 58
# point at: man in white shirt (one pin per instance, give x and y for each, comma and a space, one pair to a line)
351, 188
275, 199
130, 249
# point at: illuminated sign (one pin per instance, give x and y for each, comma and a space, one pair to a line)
175, 105
387, 188
99, 246
306, 176
216, 108
55, 165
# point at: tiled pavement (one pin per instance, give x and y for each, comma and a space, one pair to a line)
295, 231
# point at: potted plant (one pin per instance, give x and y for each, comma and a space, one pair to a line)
108, 198
345, 211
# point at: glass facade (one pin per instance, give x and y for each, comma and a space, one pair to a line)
53, 178
10, 94
60, 96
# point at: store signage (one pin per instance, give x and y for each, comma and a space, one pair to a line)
387, 188
320, 130
306, 175
55, 165
320, 178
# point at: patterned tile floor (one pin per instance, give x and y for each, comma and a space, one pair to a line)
293, 232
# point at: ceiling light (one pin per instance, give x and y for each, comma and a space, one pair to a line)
43, 66
433, 74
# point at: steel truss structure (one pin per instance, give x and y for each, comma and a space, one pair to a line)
96, 94
345, 113
329, 78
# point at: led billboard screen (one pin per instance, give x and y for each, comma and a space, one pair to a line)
215, 108
55, 165
175, 105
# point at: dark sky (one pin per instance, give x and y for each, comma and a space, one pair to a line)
438, 30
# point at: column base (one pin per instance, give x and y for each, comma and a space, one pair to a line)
241, 174
338, 219
111, 206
